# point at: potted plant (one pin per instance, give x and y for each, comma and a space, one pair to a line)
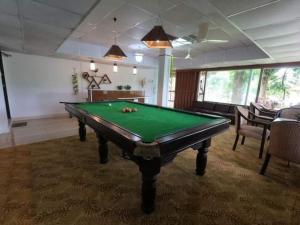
120, 87
127, 87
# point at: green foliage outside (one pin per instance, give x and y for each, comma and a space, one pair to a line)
278, 83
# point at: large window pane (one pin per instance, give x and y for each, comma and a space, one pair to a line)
171, 95
232, 86
280, 87
201, 86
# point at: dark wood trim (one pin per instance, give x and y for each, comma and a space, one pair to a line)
8, 114
252, 66
196, 87
259, 83
204, 89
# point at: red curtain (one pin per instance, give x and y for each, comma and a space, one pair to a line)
186, 88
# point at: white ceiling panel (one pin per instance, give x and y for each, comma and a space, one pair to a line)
155, 6
280, 40
76, 6
99, 37
184, 16
9, 21
10, 27
14, 43
284, 48
100, 12
9, 7
229, 7
128, 16
280, 29
31, 27
135, 33
49, 15
279, 12
287, 54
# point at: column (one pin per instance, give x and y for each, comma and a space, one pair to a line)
164, 68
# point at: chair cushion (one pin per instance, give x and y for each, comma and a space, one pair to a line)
252, 131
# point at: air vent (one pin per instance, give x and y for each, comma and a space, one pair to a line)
19, 124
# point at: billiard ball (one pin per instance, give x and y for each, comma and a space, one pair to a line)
134, 110
124, 110
109, 104
129, 110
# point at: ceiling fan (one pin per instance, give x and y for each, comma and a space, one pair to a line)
202, 35
188, 56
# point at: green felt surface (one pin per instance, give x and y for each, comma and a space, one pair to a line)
148, 122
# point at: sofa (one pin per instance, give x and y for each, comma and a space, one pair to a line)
215, 108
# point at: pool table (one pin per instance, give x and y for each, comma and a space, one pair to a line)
151, 137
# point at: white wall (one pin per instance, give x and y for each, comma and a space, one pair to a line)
36, 84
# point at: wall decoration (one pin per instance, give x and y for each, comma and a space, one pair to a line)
75, 83
119, 87
143, 82
92, 79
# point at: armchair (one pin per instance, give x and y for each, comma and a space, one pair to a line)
289, 113
243, 128
284, 142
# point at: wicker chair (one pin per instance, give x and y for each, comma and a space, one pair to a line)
289, 113
243, 128
284, 142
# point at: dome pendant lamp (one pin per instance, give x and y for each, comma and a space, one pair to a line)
115, 52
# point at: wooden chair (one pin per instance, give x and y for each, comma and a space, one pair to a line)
243, 127
263, 115
284, 142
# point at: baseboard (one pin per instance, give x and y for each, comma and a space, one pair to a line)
58, 115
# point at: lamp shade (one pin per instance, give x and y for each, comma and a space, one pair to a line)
157, 38
92, 65
134, 70
115, 53
115, 68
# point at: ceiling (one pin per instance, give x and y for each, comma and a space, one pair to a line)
256, 30
39, 26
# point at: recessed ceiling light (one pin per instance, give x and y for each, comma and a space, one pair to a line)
138, 57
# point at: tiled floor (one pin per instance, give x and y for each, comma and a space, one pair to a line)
40, 130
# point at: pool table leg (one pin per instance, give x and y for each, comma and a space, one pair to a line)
102, 148
201, 160
149, 169
82, 131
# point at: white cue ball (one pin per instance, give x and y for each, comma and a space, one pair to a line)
109, 104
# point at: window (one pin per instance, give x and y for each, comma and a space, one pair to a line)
171, 94
172, 81
232, 86
201, 86
280, 87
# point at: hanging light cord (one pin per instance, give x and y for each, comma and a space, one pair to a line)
115, 31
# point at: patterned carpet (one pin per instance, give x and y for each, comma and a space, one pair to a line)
60, 182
